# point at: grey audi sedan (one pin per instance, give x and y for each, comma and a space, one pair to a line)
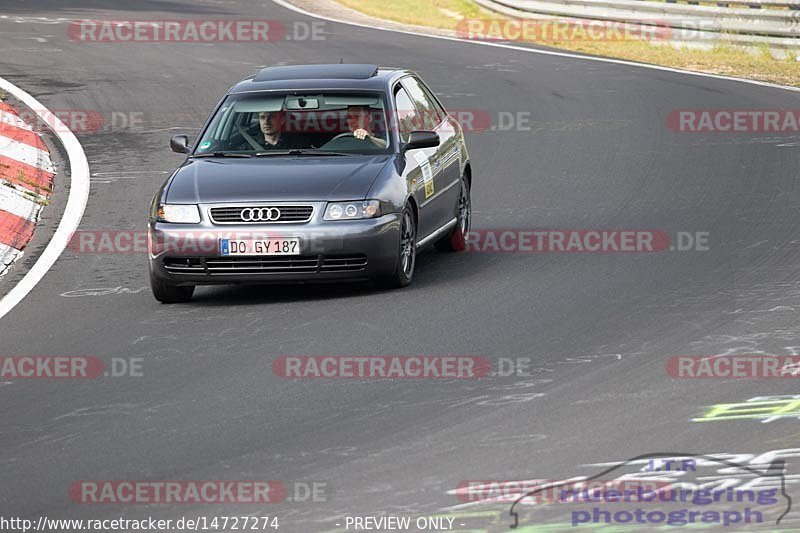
312, 173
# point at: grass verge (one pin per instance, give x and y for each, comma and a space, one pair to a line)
722, 59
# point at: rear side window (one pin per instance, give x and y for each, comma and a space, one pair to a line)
406, 112
431, 114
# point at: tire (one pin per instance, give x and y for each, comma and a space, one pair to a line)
455, 241
167, 293
406, 253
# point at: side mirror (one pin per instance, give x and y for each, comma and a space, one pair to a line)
421, 139
179, 144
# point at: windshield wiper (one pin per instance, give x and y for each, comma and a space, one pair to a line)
223, 154
299, 152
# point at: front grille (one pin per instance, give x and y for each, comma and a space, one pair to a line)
262, 265
301, 264
352, 263
182, 265
288, 213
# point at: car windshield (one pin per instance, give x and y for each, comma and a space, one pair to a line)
287, 124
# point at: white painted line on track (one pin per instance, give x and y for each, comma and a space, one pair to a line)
296, 9
76, 203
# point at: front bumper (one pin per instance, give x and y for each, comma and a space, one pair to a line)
329, 251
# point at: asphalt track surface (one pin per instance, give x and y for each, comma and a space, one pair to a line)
597, 327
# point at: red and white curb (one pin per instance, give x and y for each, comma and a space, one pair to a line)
79, 187
26, 181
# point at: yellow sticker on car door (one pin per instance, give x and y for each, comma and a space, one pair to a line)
427, 174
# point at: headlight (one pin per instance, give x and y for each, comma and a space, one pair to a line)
353, 210
178, 214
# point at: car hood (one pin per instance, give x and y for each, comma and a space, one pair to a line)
309, 178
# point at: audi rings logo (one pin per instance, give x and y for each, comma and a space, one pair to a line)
262, 214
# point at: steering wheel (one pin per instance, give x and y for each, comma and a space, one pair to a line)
342, 136
344, 141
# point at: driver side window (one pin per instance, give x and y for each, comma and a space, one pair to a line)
405, 114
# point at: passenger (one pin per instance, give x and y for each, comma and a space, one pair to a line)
272, 126
268, 135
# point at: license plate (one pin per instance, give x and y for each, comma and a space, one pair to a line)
229, 247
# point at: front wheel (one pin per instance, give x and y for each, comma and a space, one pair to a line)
406, 254
167, 293
456, 240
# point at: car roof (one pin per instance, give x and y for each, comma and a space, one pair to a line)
311, 77
316, 72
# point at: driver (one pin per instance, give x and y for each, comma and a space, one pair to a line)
358, 120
